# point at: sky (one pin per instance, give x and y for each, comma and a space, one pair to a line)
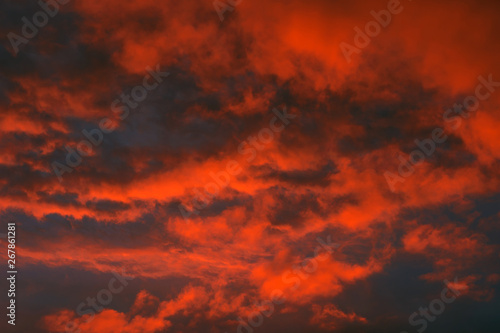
251, 166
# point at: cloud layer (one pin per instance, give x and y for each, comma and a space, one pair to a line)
321, 175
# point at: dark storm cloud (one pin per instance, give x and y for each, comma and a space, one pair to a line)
319, 177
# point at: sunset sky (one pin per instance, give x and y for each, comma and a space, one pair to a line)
251, 166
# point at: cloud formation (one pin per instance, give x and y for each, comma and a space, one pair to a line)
321, 175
